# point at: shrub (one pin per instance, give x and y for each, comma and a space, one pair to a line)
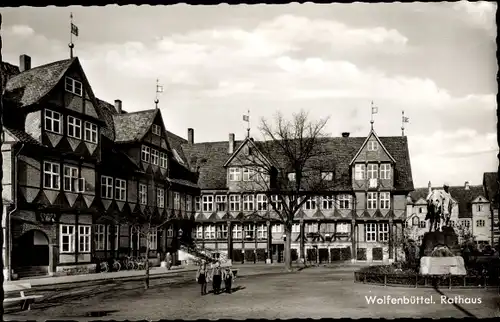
361, 254
377, 254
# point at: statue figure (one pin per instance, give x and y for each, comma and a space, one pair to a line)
439, 205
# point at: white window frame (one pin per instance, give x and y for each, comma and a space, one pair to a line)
465, 223
479, 208
310, 204
70, 178
261, 231
67, 231
189, 203
120, 189
249, 231
344, 201
295, 228
327, 176
370, 232
107, 188
160, 197
261, 202
237, 231
371, 200
372, 171
342, 227
482, 221
234, 174
74, 127
199, 232
54, 175
291, 176
248, 202
422, 224
153, 239
311, 227
372, 145
90, 132
359, 172
163, 160
208, 203
383, 232
84, 238
234, 202
53, 119
277, 228
327, 202
177, 200
197, 203
277, 202
210, 232
156, 129
143, 194
145, 153
100, 237
385, 171
221, 202
248, 174
108, 237
222, 231
385, 200
73, 86
155, 156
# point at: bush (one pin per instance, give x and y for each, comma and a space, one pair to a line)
377, 254
345, 253
361, 254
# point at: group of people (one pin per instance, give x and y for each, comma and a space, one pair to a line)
216, 274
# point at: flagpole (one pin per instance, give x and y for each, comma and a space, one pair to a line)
403, 123
248, 124
71, 45
156, 97
372, 121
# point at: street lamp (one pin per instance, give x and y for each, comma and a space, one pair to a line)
179, 236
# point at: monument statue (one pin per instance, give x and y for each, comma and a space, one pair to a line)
439, 206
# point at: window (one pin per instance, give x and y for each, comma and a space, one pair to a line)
465, 223
74, 86
247, 202
99, 237
51, 175
237, 231
310, 203
113, 237
249, 231
385, 200
291, 176
156, 129
385, 171
163, 160
145, 153
372, 171
383, 232
222, 231
170, 232
177, 201
221, 202
248, 174
277, 228
189, 203
342, 228
422, 224
74, 127
234, 174
197, 203
106, 187
311, 227
414, 221
344, 201
199, 232
70, 178
480, 223
452, 223
160, 197
143, 194
479, 208
154, 156
90, 133
120, 188
372, 145
234, 203
276, 202
67, 238
371, 232
327, 176
210, 232
261, 202
296, 228
261, 231
328, 202
371, 201
53, 121
208, 203
153, 240
359, 172
84, 239
420, 209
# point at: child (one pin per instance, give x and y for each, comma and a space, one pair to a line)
217, 278
228, 279
201, 277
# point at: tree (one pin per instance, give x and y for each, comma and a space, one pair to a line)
407, 241
1, 158
287, 167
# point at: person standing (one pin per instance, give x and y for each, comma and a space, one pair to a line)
228, 279
169, 261
216, 278
201, 277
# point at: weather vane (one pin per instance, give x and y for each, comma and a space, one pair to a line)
159, 89
246, 118
74, 31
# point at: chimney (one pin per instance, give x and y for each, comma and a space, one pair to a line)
190, 136
466, 185
118, 106
24, 63
345, 134
231, 143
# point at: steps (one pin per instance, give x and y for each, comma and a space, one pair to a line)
31, 271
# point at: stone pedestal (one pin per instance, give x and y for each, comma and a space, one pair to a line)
432, 240
442, 266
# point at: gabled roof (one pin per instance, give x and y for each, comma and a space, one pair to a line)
245, 142
30, 86
132, 127
22, 136
490, 183
372, 132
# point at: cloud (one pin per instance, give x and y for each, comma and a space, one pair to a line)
480, 13
21, 30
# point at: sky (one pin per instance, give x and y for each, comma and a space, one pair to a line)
435, 61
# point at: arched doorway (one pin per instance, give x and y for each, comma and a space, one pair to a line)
30, 254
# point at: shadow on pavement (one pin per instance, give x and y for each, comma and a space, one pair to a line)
455, 304
98, 314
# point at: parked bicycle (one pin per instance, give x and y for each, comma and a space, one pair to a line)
128, 262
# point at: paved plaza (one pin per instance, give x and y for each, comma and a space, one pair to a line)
263, 292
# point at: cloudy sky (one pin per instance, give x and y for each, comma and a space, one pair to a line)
435, 61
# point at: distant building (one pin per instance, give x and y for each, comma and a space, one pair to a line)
490, 183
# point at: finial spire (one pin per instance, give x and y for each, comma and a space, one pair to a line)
74, 31
246, 118
374, 111
159, 89
403, 121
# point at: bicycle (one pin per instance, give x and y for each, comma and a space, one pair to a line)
104, 267
128, 263
116, 265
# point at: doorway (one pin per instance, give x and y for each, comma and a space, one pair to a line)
277, 253
30, 254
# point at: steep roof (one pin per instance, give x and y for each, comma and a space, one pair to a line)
210, 157
132, 127
22, 136
490, 183
30, 86
462, 196
107, 111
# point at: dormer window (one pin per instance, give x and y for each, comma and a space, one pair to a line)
291, 176
74, 127
385, 171
234, 174
372, 146
156, 129
328, 176
248, 174
372, 171
359, 172
74, 86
